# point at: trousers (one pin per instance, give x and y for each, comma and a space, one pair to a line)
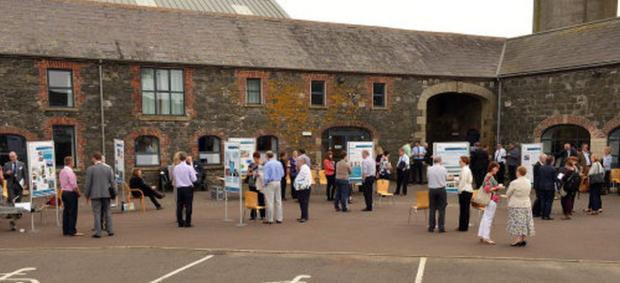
273, 201
401, 181
367, 188
546, 202
185, 199
438, 200
69, 212
484, 231
304, 200
343, 190
464, 204
101, 210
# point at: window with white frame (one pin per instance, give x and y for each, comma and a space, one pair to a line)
147, 151
162, 92
60, 88
253, 91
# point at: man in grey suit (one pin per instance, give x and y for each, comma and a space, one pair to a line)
15, 173
99, 182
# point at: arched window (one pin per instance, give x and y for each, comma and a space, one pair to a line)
555, 137
267, 143
147, 151
209, 150
10, 143
614, 143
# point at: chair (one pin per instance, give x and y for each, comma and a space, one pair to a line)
421, 203
251, 202
614, 177
130, 195
322, 179
383, 187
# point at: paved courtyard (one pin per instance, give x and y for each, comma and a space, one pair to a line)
332, 247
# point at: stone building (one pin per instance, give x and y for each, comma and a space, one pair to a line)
84, 73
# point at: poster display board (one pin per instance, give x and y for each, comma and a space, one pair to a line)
232, 159
247, 146
450, 153
530, 153
119, 160
41, 169
354, 153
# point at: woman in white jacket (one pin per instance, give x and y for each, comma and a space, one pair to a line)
302, 185
465, 192
520, 222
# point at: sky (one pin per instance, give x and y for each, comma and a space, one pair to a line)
503, 18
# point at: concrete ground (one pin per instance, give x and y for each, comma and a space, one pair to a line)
332, 247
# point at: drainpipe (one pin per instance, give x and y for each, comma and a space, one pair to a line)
101, 107
499, 111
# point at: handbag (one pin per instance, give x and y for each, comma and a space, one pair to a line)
112, 192
598, 177
482, 198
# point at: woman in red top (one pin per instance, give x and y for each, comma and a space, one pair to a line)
330, 173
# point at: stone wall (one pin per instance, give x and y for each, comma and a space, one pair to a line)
588, 97
214, 106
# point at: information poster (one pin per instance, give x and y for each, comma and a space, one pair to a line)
530, 153
354, 153
247, 147
42, 168
232, 160
119, 160
450, 153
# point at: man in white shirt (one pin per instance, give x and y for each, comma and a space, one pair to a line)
402, 172
437, 176
369, 171
500, 158
418, 153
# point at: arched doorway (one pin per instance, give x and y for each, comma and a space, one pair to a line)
614, 143
554, 138
8, 143
336, 138
453, 117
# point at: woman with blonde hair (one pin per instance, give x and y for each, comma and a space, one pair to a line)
520, 222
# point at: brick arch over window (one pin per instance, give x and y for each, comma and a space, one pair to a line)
130, 142
594, 131
79, 131
611, 125
19, 132
489, 106
193, 140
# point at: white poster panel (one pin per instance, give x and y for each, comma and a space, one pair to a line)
232, 160
354, 153
450, 153
119, 160
41, 169
530, 153
247, 147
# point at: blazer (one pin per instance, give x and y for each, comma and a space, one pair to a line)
99, 180
548, 178
536, 171
465, 180
519, 193
18, 176
564, 155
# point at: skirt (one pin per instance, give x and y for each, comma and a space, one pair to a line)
520, 221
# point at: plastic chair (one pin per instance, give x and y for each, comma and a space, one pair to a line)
251, 202
383, 190
130, 195
614, 177
421, 203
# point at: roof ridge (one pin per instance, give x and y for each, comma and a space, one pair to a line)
564, 28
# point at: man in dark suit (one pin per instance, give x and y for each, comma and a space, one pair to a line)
15, 174
479, 163
99, 183
547, 175
536, 209
567, 152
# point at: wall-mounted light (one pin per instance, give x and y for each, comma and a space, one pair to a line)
306, 134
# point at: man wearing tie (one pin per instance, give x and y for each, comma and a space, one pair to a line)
585, 158
500, 158
418, 162
15, 174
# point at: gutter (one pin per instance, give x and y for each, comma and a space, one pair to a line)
100, 65
498, 137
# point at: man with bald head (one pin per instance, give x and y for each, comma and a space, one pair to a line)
15, 174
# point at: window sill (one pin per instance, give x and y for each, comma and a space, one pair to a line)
148, 168
380, 108
318, 107
143, 117
254, 105
60, 109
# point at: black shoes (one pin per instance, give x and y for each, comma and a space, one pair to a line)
366, 210
302, 220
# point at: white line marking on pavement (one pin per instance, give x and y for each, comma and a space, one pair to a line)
160, 279
420, 274
7, 276
295, 280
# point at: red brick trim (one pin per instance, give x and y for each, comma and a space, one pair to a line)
590, 126
136, 94
243, 75
130, 141
374, 134
193, 141
329, 83
76, 80
389, 86
19, 132
79, 131
611, 125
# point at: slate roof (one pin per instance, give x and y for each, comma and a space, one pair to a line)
592, 44
265, 8
91, 30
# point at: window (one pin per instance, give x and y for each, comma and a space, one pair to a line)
378, 95
209, 149
10, 143
147, 151
253, 91
162, 92
267, 143
64, 143
554, 138
317, 90
614, 143
60, 88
